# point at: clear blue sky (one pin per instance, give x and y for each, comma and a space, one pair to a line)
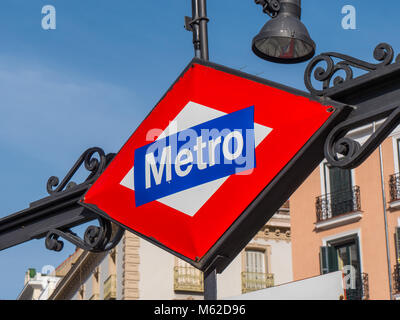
91, 81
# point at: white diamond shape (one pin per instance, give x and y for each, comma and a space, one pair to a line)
190, 201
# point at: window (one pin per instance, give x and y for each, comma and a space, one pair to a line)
397, 153
255, 261
396, 271
397, 244
344, 255
110, 287
338, 184
336, 179
340, 197
255, 275
394, 179
340, 253
348, 255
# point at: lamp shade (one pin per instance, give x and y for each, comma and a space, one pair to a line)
284, 39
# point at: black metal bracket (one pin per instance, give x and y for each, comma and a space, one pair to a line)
53, 217
96, 239
373, 96
383, 53
93, 165
270, 7
345, 152
191, 21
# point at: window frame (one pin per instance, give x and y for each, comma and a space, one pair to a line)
325, 178
342, 238
266, 249
396, 152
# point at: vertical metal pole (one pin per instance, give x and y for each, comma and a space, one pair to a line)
198, 25
210, 285
385, 218
200, 41
196, 29
203, 29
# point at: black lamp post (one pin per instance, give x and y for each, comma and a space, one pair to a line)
283, 39
198, 25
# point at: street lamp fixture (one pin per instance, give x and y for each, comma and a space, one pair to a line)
283, 39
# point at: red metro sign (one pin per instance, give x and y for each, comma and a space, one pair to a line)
212, 162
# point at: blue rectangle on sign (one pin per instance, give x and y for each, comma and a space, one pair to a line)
209, 151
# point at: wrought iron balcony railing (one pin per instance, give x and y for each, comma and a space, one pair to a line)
394, 185
110, 288
361, 290
188, 278
396, 279
334, 204
252, 281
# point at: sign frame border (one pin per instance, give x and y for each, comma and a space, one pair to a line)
271, 198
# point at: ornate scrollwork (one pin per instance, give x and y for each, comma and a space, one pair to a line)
344, 152
93, 165
96, 238
328, 75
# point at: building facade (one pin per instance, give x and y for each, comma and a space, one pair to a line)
38, 286
349, 220
136, 269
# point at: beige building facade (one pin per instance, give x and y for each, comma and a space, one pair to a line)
136, 269
349, 220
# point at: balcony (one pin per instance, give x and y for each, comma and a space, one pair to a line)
338, 208
252, 281
188, 279
394, 186
361, 291
110, 288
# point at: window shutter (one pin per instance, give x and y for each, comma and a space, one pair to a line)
341, 191
397, 239
255, 261
328, 260
340, 179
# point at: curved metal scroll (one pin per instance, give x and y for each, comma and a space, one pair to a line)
96, 238
270, 7
346, 153
328, 75
340, 150
93, 165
